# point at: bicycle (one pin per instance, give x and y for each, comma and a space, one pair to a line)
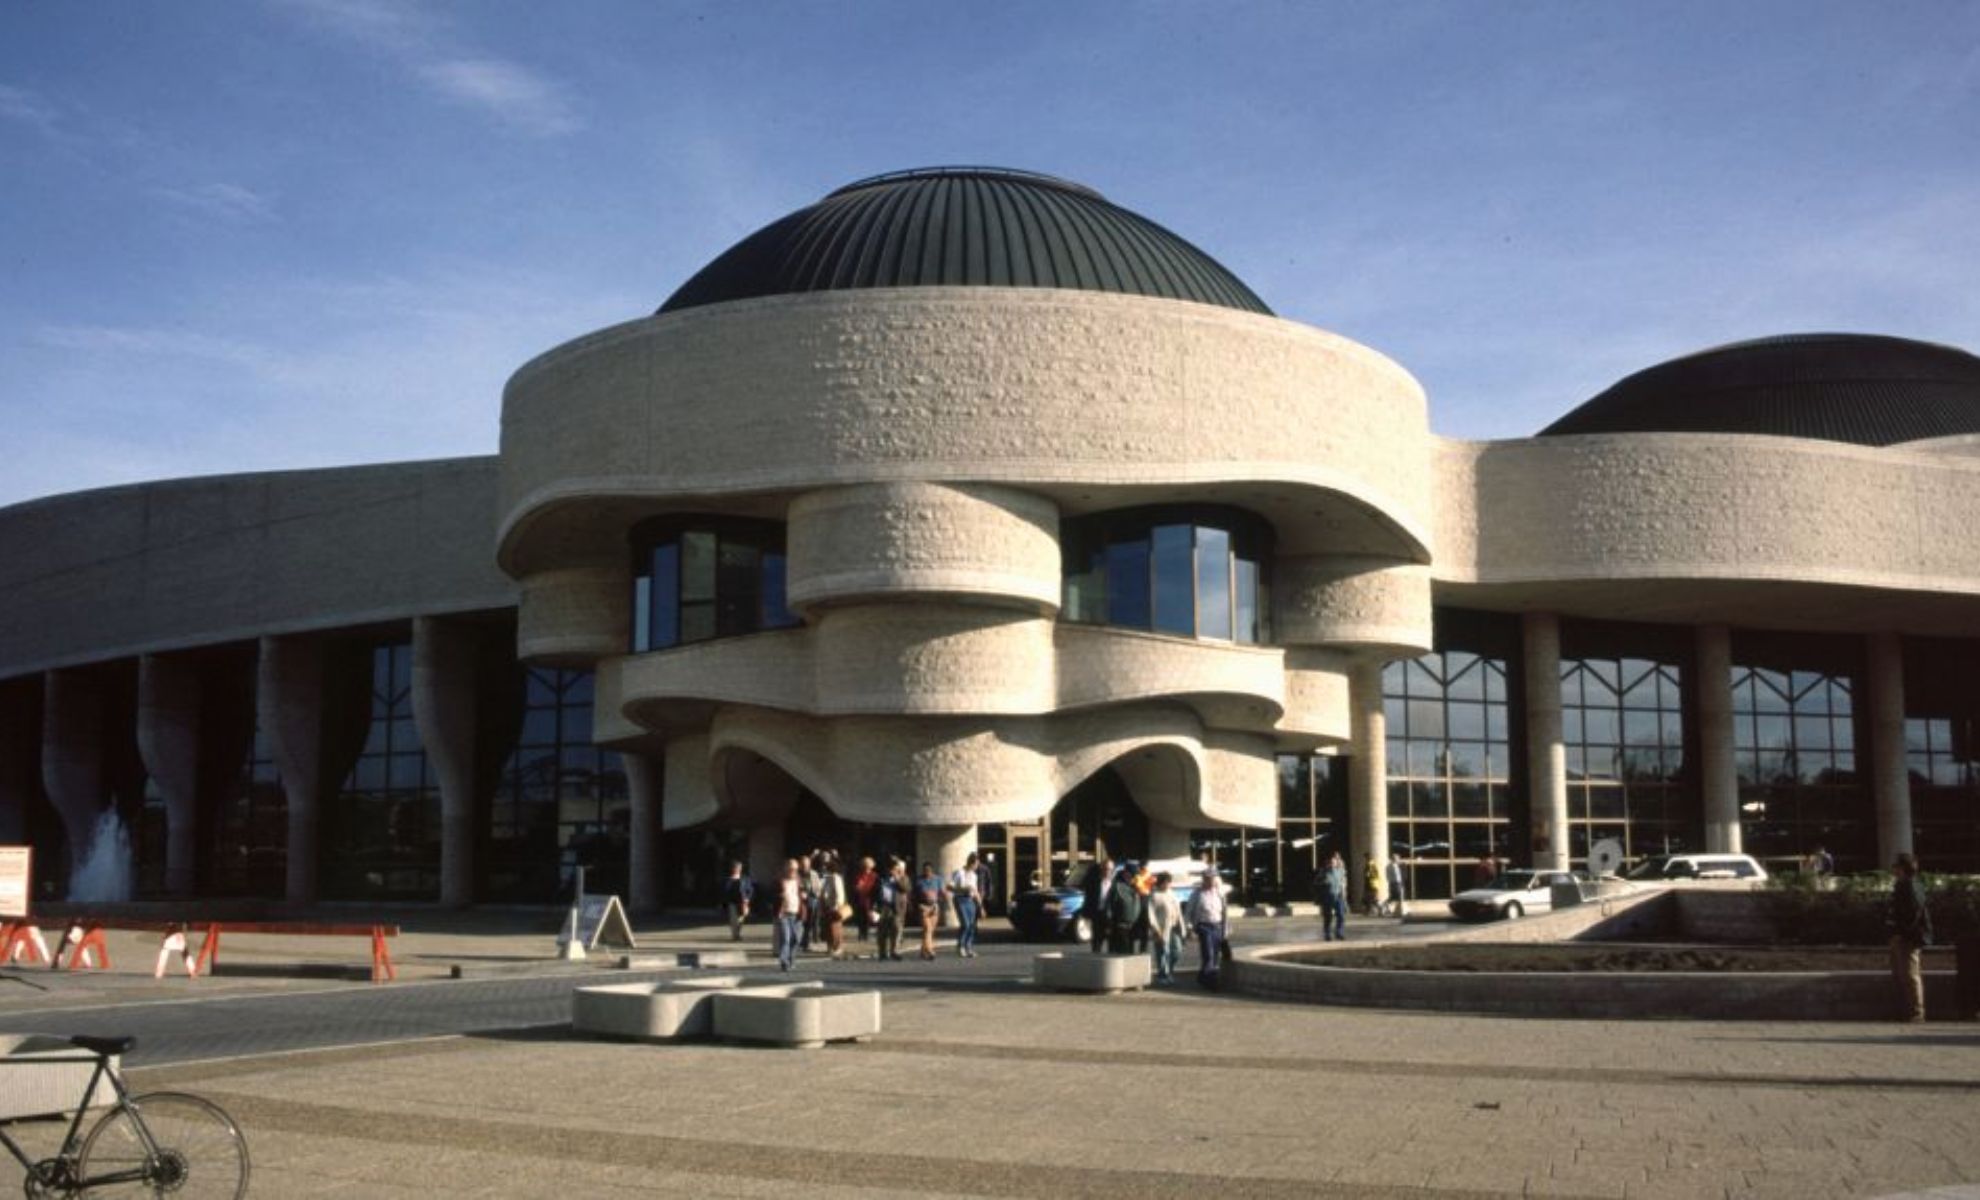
156, 1144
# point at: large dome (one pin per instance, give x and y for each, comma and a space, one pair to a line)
971, 226
1838, 387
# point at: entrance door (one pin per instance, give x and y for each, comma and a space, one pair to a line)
1024, 864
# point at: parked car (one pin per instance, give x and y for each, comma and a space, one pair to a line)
1056, 913
1672, 867
1510, 896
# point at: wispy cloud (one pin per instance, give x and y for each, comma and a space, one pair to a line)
226, 201
519, 97
26, 108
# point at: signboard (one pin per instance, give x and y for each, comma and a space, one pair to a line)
16, 880
602, 920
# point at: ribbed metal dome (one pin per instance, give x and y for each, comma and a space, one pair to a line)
970, 226
1838, 387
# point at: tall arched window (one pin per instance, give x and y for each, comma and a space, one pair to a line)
697, 578
1195, 571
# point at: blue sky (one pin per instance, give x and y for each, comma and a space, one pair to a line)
257, 235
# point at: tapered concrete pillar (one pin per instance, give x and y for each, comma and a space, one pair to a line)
72, 756
1890, 782
1718, 773
643, 783
1166, 840
1368, 782
288, 703
443, 699
766, 859
1546, 758
168, 742
946, 846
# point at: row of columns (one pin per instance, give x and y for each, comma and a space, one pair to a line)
1546, 756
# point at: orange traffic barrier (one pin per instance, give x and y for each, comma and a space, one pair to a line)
86, 947
21, 937
382, 969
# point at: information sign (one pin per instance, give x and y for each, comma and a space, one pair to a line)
602, 920
16, 880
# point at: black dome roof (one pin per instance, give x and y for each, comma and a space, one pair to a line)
1839, 387
976, 226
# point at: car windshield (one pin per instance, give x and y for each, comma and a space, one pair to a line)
1649, 868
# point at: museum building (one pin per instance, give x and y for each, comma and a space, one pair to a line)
965, 510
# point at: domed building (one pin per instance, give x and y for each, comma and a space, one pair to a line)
964, 510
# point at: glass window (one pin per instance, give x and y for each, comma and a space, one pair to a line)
1127, 585
1247, 627
1213, 583
1175, 579
1189, 571
717, 577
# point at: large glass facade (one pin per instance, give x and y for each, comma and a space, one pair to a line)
251, 841
1622, 727
1794, 744
1450, 767
381, 833
1942, 751
1191, 571
560, 802
697, 578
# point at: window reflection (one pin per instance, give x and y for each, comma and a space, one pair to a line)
1448, 766
1190, 571
1623, 729
697, 578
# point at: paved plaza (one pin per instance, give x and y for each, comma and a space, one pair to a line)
981, 1086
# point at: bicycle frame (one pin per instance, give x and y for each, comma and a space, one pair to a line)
70, 1142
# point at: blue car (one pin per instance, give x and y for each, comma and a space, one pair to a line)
1058, 913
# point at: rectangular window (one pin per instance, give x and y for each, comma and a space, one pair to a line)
1175, 580
1247, 602
1213, 584
1128, 602
776, 606
665, 613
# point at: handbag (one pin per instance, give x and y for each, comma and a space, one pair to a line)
845, 911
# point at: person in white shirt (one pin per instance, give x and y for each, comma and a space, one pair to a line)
1165, 929
1395, 880
1207, 915
790, 916
966, 894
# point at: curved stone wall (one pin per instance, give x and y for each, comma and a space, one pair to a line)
162, 566
1376, 605
875, 541
1085, 393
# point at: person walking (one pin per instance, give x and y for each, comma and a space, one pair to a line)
1123, 912
810, 878
1165, 928
1371, 885
1209, 918
1330, 888
890, 904
1910, 923
1397, 885
1094, 901
833, 907
928, 899
863, 887
789, 915
737, 892
966, 893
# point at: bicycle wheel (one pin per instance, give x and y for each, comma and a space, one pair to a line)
201, 1152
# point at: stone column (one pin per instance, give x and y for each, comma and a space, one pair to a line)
168, 742
1718, 773
444, 709
643, 783
288, 704
72, 755
1166, 840
766, 859
1546, 758
946, 846
1368, 783
1890, 781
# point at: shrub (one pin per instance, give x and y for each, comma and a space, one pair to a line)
1849, 909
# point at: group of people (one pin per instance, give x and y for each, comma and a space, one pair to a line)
814, 901
1132, 910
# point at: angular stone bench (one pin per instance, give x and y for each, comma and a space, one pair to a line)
45, 1076
1082, 972
649, 1012
801, 1016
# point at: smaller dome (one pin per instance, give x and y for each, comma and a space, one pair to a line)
964, 226
1840, 387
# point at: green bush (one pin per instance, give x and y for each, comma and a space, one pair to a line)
1849, 909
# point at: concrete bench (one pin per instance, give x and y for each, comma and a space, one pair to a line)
648, 1012
1083, 972
796, 1015
45, 1076
1079, 972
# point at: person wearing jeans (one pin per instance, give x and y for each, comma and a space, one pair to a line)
1165, 928
790, 916
1206, 913
966, 893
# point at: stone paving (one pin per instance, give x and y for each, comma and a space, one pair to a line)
981, 1086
